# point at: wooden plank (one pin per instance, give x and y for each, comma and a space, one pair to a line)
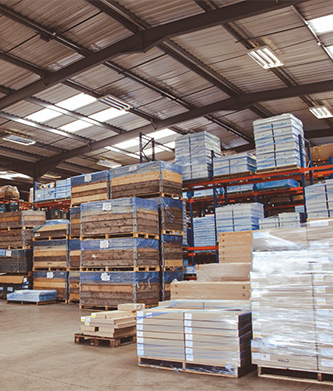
90, 186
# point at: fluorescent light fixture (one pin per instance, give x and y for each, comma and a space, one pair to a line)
76, 101
114, 149
108, 163
134, 142
19, 140
106, 115
114, 102
10, 175
161, 133
76, 126
43, 115
322, 25
51, 176
321, 112
265, 57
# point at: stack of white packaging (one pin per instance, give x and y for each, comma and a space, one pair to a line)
282, 220
234, 164
194, 153
239, 217
319, 200
204, 231
277, 141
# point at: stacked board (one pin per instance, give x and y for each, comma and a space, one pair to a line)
235, 247
235, 164
282, 220
239, 217
75, 226
153, 179
319, 200
15, 261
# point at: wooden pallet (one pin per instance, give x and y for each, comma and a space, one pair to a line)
172, 268
60, 237
32, 302
172, 232
106, 341
72, 237
121, 235
278, 169
50, 268
201, 369
296, 375
163, 195
23, 228
121, 269
235, 175
18, 247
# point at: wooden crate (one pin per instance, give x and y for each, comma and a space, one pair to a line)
171, 215
74, 286
10, 283
24, 218
119, 253
235, 247
57, 229
57, 280
16, 238
146, 179
171, 250
75, 223
118, 218
15, 261
50, 255
90, 187
74, 253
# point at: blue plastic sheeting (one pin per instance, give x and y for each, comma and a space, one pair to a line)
285, 183
120, 205
165, 202
50, 274
234, 164
193, 153
239, 217
35, 296
74, 244
15, 253
90, 178
204, 231
276, 140
53, 222
171, 239
169, 276
119, 244
51, 243
119, 277
74, 211
142, 168
240, 188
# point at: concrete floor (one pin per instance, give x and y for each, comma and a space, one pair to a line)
37, 352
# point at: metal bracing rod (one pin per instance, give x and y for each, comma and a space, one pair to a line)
145, 40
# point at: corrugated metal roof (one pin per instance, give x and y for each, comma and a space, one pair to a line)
15, 77
315, 8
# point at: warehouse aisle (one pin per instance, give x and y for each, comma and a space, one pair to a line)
38, 353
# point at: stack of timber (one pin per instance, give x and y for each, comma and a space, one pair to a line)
167, 277
212, 341
291, 281
235, 247
15, 261
51, 257
74, 270
12, 282
153, 179
133, 216
101, 289
116, 328
90, 187
75, 227
33, 296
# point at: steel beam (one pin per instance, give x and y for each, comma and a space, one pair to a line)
145, 40
238, 103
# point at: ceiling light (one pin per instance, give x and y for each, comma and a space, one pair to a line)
265, 57
114, 102
51, 176
161, 133
76, 126
322, 25
19, 140
106, 115
108, 163
321, 112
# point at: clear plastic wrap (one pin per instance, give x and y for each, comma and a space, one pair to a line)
90, 178
292, 297
282, 220
22, 218
319, 200
121, 205
106, 278
144, 168
171, 214
285, 184
234, 164
34, 296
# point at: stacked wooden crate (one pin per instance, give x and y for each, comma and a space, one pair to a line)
119, 253
90, 187
51, 257
74, 255
16, 232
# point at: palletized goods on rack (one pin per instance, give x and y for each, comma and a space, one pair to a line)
235, 164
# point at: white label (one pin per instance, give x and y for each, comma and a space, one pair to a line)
255, 294
321, 300
265, 357
139, 327
139, 320
8, 253
139, 340
187, 323
255, 344
93, 314
318, 277
87, 178
49, 275
83, 318
105, 277
132, 168
87, 323
318, 223
188, 330
256, 356
325, 311
189, 344
104, 244
107, 206
189, 357
37, 234
257, 324
10, 289
189, 337
256, 335
188, 316
189, 351
1, 288
320, 289
139, 333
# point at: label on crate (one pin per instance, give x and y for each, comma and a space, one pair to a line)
132, 168
139, 327
255, 294
189, 357
189, 344
256, 356
105, 277
93, 315
187, 323
140, 340
257, 324
318, 223
188, 316
1, 288
83, 318
317, 268
87, 178
139, 333
255, 284
37, 234
49, 275
321, 300
189, 337
107, 206
188, 330
265, 357
320, 289
104, 244
8, 253
325, 311
10, 289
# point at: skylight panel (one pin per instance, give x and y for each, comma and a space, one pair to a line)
76, 101
322, 25
161, 133
43, 115
134, 142
106, 115
76, 126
